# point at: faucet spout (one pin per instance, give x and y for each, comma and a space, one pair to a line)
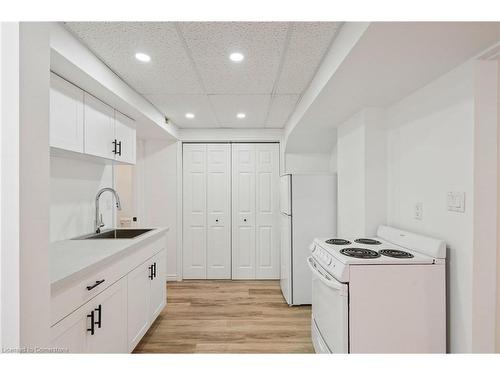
98, 216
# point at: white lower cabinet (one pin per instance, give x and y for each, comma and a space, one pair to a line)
158, 290
116, 319
146, 296
99, 326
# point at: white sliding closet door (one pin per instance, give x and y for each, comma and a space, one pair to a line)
194, 254
256, 242
206, 211
218, 211
243, 211
267, 215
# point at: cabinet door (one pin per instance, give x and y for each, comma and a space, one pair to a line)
158, 285
138, 284
110, 317
243, 198
99, 128
66, 115
125, 136
267, 241
218, 211
194, 212
70, 334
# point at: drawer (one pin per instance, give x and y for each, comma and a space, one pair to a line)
70, 297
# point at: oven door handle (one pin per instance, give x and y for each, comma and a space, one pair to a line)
331, 282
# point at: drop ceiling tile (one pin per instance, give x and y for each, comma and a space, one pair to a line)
116, 43
175, 108
211, 43
280, 109
308, 43
254, 106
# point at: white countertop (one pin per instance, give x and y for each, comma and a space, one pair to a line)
71, 257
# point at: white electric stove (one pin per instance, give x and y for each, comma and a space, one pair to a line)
385, 294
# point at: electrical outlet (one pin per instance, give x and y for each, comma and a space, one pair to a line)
419, 211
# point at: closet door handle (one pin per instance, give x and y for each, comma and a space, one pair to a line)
92, 323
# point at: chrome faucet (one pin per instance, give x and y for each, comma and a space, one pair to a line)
98, 216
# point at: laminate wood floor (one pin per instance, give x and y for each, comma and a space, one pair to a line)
228, 317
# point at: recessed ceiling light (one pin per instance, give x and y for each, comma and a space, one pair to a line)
189, 115
142, 57
236, 57
241, 115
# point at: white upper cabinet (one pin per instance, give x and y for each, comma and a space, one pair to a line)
81, 123
125, 138
99, 128
66, 115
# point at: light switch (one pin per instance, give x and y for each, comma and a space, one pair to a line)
419, 210
455, 201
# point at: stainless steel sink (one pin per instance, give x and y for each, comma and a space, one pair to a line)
114, 234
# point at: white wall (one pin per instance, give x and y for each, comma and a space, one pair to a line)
307, 163
497, 343
25, 283
361, 166
430, 140
73, 187
157, 188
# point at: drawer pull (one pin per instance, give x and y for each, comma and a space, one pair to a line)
97, 283
151, 272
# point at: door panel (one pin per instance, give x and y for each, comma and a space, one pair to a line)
158, 284
267, 213
111, 336
218, 211
138, 285
66, 115
125, 133
99, 128
243, 197
194, 212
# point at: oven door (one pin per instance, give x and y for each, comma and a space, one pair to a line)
330, 308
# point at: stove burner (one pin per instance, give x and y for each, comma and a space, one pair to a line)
357, 252
338, 241
396, 253
368, 241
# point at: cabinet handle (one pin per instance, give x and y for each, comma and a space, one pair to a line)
114, 146
99, 316
154, 269
245, 220
120, 148
216, 220
97, 283
92, 323
150, 272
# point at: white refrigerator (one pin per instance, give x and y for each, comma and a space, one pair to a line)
308, 204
